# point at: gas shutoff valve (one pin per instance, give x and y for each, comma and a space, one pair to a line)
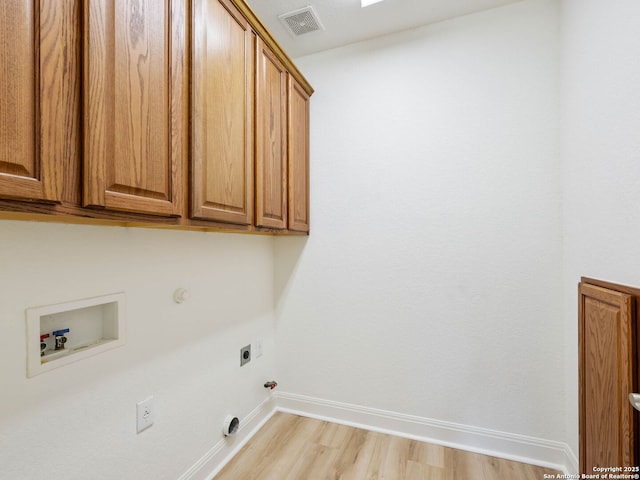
60, 338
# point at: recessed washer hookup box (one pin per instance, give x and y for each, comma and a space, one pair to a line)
67, 332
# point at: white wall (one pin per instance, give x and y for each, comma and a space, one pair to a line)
78, 422
601, 157
454, 209
431, 282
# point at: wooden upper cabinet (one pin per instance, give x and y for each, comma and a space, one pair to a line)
298, 145
271, 140
608, 373
38, 97
222, 113
135, 105
173, 112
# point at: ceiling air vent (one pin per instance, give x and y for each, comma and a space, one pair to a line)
301, 21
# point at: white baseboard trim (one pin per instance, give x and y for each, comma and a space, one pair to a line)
521, 448
222, 452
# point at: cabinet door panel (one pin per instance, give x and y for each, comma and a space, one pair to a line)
607, 369
38, 96
271, 150
135, 105
298, 143
222, 75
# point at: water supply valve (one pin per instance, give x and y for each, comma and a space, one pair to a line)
60, 338
271, 384
43, 345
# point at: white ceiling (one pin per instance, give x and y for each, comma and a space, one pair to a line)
346, 22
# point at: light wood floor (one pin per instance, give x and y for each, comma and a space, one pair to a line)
290, 447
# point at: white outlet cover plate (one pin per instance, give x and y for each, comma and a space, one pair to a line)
145, 414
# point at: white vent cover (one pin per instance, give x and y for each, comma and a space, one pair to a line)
301, 21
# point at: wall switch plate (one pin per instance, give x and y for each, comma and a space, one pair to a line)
245, 355
145, 411
258, 348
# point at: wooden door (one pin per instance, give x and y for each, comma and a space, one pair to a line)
222, 113
298, 144
606, 377
271, 131
38, 96
135, 105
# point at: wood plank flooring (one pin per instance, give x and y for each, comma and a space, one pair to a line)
290, 447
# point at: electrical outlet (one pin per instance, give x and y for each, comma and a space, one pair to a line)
245, 355
145, 414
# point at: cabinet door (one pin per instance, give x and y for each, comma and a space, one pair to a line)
298, 144
271, 131
606, 358
222, 113
38, 96
135, 105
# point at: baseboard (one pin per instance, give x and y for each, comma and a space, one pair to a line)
222, 452
573, 465
535, 451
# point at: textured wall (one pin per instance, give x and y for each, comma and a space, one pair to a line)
443, 218
431, 282
78, 421
601, 157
